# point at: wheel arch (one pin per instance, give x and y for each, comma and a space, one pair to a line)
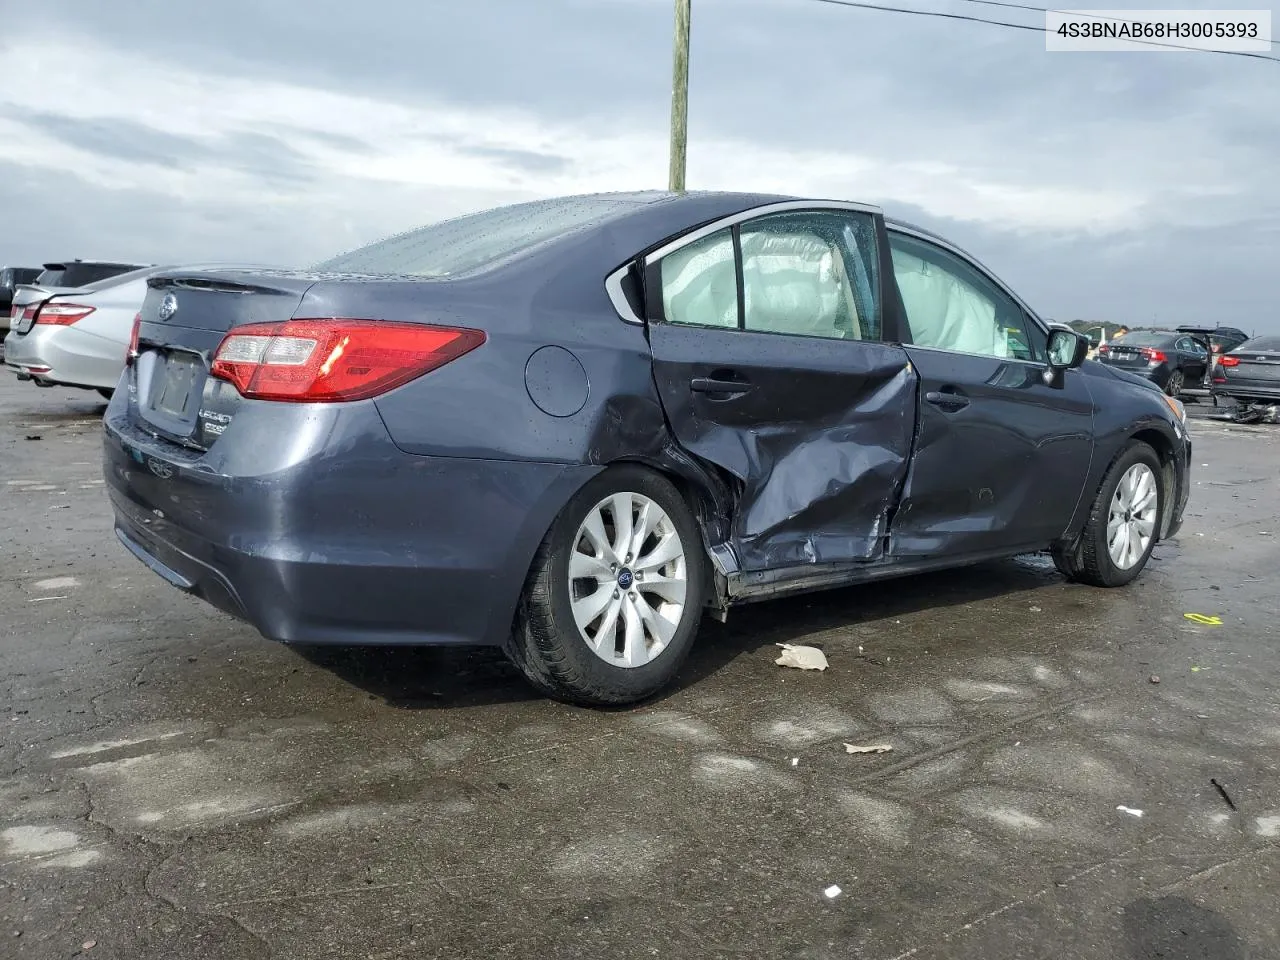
710, 495
1166, 451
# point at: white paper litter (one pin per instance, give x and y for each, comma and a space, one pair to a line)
873, 748
795, 761
832, 892
1130, 811
801, 657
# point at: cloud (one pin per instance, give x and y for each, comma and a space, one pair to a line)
218, 147
178, 132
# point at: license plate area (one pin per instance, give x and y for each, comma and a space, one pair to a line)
171, 393
171, 383
21, 322
1125, 355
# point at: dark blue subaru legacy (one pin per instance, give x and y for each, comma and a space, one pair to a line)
573, 426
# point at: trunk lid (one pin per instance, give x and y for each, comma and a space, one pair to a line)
27, 299
1130, 358
184, 317
1261, 366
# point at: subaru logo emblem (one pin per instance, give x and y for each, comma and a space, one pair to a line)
168, 306
160, 468
625, 578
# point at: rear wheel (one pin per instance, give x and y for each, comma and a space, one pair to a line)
1123, 524
615, 593
1177, 380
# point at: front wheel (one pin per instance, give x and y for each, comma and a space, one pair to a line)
615, 593
1123, 524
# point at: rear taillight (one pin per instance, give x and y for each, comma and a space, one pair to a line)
330, 360
62, 314
132, 353
1228, 361
1104, 349
1153, 356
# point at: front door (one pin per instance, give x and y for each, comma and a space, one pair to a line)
1000, 456
767, 354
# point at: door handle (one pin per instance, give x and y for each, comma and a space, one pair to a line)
715, 385
947, 400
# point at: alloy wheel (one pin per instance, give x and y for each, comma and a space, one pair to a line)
1131, 520
628, 578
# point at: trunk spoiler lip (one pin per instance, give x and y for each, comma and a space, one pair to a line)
233, 278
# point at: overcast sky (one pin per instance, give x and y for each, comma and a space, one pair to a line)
1119, 187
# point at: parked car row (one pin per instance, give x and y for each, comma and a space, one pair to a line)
571, 428
1177, 361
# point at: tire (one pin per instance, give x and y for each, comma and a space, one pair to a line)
1090, 560
559, 657
1177, 380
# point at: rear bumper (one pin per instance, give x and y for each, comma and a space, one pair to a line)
1248, 393
349, 541
65, 355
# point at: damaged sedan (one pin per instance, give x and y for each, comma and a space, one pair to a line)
571, 428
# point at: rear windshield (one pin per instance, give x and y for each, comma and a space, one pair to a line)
1265, 344
1141, 339
81, 274
466, 244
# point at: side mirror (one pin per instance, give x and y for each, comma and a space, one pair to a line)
1067, 349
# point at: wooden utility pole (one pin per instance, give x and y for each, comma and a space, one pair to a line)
680, 98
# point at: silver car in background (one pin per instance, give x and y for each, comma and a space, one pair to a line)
75, 337
78, 337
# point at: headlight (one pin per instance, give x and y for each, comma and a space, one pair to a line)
1178, 407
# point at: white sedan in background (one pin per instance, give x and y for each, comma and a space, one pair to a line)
75, 337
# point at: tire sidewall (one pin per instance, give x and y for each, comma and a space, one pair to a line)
1135, 454
626, 681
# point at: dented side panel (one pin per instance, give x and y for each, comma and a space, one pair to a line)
817, 439
1004, 467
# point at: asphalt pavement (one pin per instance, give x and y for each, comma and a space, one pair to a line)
172, 785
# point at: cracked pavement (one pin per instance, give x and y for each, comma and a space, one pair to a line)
172, 784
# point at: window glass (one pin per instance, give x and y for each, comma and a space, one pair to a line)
478, 240
811, 274
1144, 338
700, 283
1259, 345
952, 306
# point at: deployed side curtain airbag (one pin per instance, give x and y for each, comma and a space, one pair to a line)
796, 283
700, 283
944, 311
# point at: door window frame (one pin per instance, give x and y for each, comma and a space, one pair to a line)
638, 275
929, 238
652, 262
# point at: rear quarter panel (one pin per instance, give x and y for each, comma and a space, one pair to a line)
114, 310
561, 378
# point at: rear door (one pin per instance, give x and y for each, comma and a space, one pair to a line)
1000, 455
766, 338
1193, 358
